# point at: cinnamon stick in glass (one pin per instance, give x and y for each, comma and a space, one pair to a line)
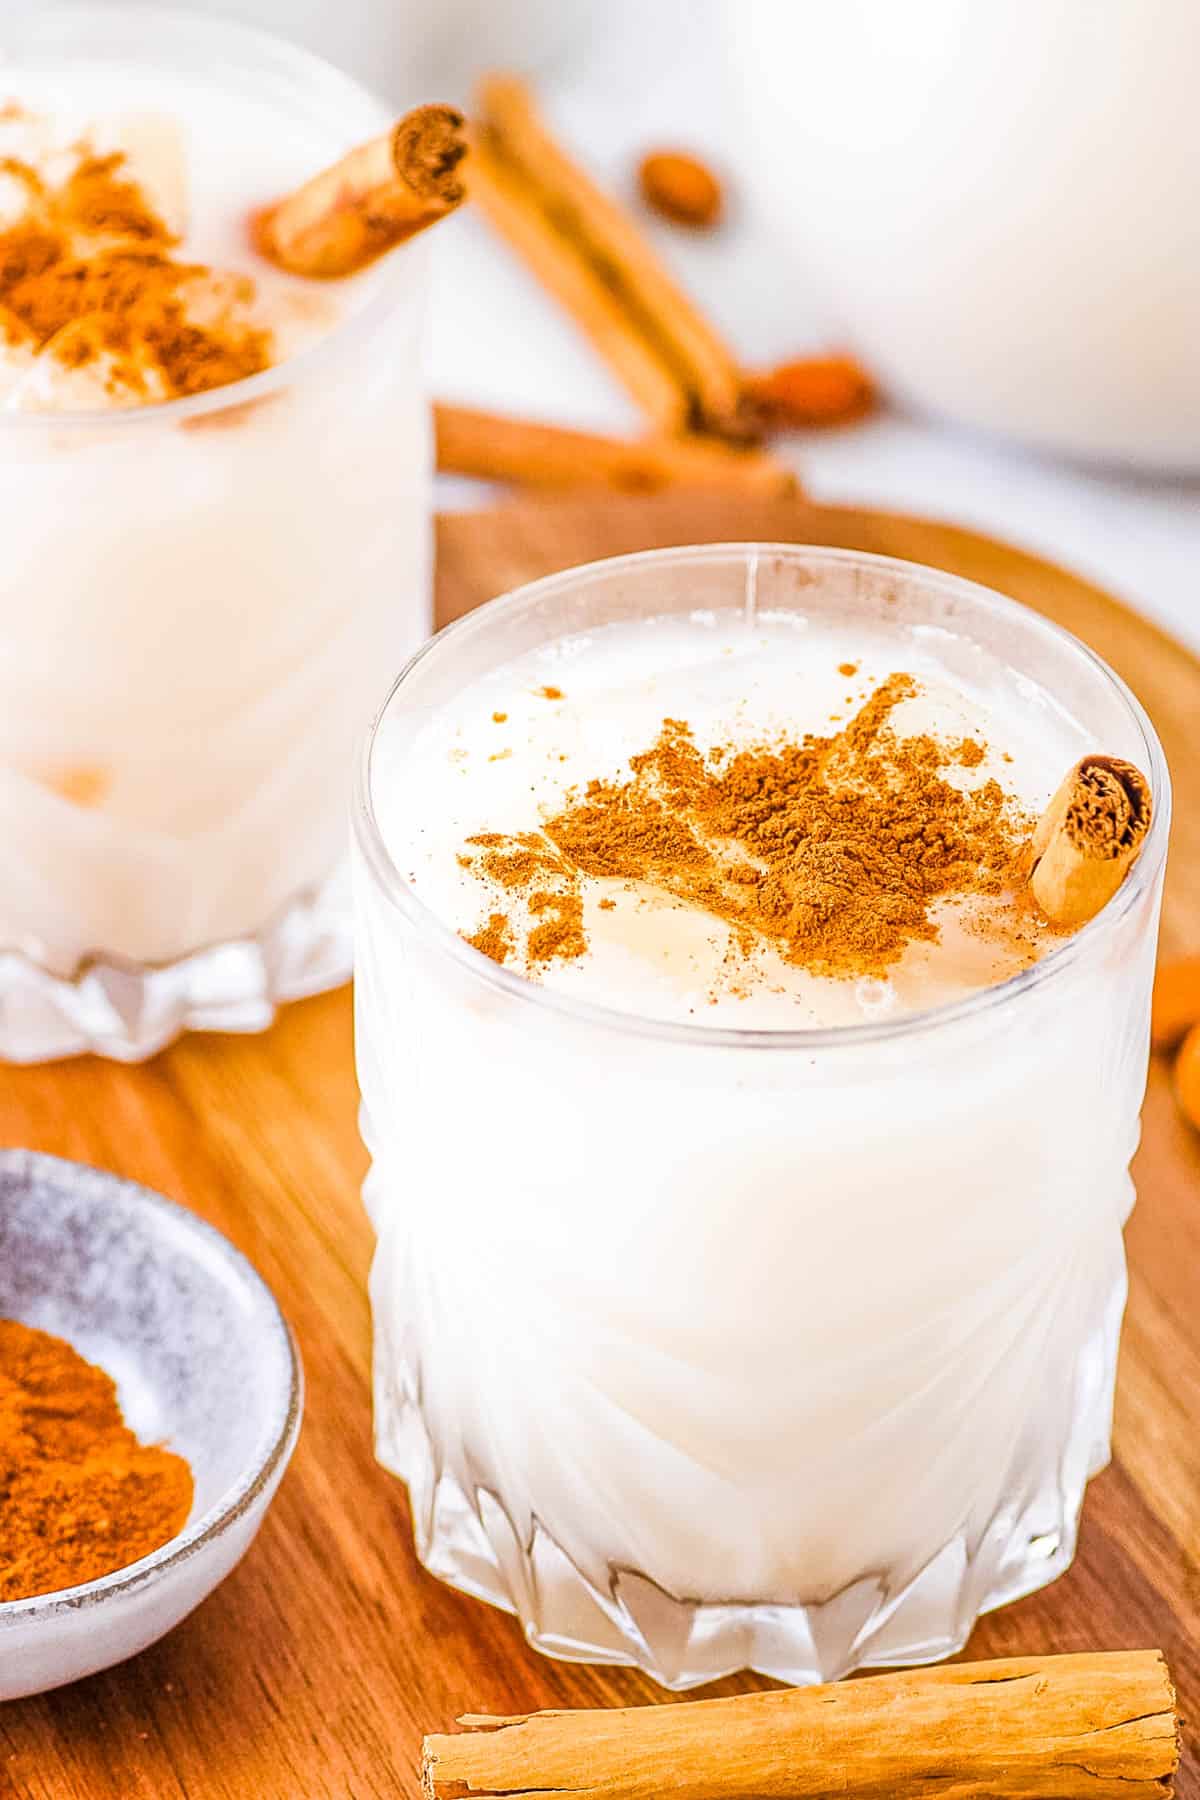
373, 199
1089, 837
1091, 1727
492, 447
591, 255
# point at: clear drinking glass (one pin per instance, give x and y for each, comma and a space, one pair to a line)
199, 599
709, 1348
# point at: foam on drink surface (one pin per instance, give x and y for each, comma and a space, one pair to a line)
148, 189
524, 741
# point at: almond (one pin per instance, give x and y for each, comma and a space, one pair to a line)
814, 390
681, 188
1176, 1004
1187, 1076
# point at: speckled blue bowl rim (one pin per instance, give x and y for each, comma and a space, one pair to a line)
241, 1496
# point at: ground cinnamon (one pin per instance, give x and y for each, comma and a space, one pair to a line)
559, 928
834, 851
79, 1495
494, 937
89, 277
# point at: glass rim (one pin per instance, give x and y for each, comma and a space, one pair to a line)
306, 65
1049, 968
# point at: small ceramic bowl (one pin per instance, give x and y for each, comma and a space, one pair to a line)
204, 1363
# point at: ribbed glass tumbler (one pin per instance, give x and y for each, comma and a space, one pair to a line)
702, 1349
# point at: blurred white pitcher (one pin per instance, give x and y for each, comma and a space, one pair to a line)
999, 204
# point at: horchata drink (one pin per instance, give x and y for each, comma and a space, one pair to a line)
214, 512
750, 1108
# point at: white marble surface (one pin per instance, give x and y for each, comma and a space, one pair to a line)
497, 342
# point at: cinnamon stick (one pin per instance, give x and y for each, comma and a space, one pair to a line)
496, 448
1091, 1727
373, 199
1089, 837
591, 255
554, 259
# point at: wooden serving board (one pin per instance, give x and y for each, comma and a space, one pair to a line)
317, 1666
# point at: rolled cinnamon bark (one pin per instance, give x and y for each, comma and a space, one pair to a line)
380, 194
619, 291
492, 447
570, 278
1089, 837
1092, 1727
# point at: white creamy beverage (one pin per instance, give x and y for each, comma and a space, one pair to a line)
209, 555
730, 1311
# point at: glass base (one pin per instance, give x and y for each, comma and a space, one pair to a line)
125, 1012
470, 1543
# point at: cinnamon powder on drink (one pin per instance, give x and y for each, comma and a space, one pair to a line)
494, 937
88, 276
834, 851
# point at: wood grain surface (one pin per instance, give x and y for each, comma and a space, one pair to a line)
317, 1666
